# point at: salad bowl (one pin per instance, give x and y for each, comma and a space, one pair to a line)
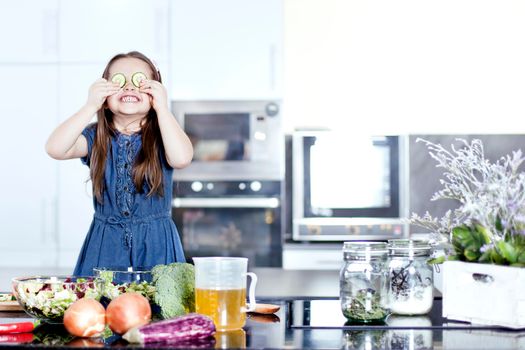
47, 297
118, 279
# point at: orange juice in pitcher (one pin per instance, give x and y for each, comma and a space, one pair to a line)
226, 307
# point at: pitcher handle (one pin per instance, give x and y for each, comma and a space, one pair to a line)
251, 292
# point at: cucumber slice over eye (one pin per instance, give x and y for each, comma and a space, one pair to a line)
137, 77
119, 78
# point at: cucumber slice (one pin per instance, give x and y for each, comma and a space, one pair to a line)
137, 77
119, 78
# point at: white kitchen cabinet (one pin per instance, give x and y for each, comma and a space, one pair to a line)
28, 31
229, 49
96, 30
75, 203
28, 176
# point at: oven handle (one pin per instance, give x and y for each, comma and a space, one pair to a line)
226, 203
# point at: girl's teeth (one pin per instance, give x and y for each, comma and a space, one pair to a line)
129, 99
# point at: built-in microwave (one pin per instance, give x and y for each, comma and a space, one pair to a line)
232, 140
348, 187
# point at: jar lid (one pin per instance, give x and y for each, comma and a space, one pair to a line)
363, 249
408, 247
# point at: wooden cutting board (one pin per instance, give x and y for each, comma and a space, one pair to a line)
266, 309
11, 305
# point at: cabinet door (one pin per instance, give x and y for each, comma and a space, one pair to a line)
96, 30
226, 49
75, 204
28, 176
28, 31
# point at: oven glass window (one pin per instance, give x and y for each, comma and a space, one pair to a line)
219, 136
254, 233
345, 174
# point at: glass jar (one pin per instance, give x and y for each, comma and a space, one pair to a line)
410, 277
363, 282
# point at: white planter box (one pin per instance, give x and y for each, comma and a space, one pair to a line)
484, 294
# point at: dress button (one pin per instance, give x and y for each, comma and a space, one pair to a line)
126, 213
125, 188
125, 165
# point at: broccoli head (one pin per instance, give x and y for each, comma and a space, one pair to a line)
175, 289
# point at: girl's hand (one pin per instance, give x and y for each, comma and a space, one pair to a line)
99, 91
157, 92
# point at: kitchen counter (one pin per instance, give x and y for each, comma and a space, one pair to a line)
314, 323
272, 282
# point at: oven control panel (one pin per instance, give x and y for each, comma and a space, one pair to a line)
349, 229
227, 188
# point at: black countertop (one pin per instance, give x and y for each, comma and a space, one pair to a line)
312, 324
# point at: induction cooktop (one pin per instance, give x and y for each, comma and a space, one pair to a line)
326, 313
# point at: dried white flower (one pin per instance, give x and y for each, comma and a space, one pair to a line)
491, 194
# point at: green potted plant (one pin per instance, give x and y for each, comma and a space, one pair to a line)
484, 237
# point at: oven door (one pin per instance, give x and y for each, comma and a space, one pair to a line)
247, 227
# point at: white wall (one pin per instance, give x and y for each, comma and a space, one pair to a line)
407, 66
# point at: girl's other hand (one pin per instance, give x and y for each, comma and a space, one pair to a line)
99, 91
157, 92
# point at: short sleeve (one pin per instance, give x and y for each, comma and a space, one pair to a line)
89, 134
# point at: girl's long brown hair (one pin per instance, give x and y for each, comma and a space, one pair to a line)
147, 168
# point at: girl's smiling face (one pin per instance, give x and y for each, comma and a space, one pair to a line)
129, 101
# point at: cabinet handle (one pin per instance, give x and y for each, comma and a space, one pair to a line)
265, 203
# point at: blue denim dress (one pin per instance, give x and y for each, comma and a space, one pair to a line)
129, 228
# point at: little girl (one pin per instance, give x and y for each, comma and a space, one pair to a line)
131, 151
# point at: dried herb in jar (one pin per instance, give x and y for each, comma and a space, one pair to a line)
365, 307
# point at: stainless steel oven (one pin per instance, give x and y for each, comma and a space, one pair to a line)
228, 201
231, 218
232, 140
348, 187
